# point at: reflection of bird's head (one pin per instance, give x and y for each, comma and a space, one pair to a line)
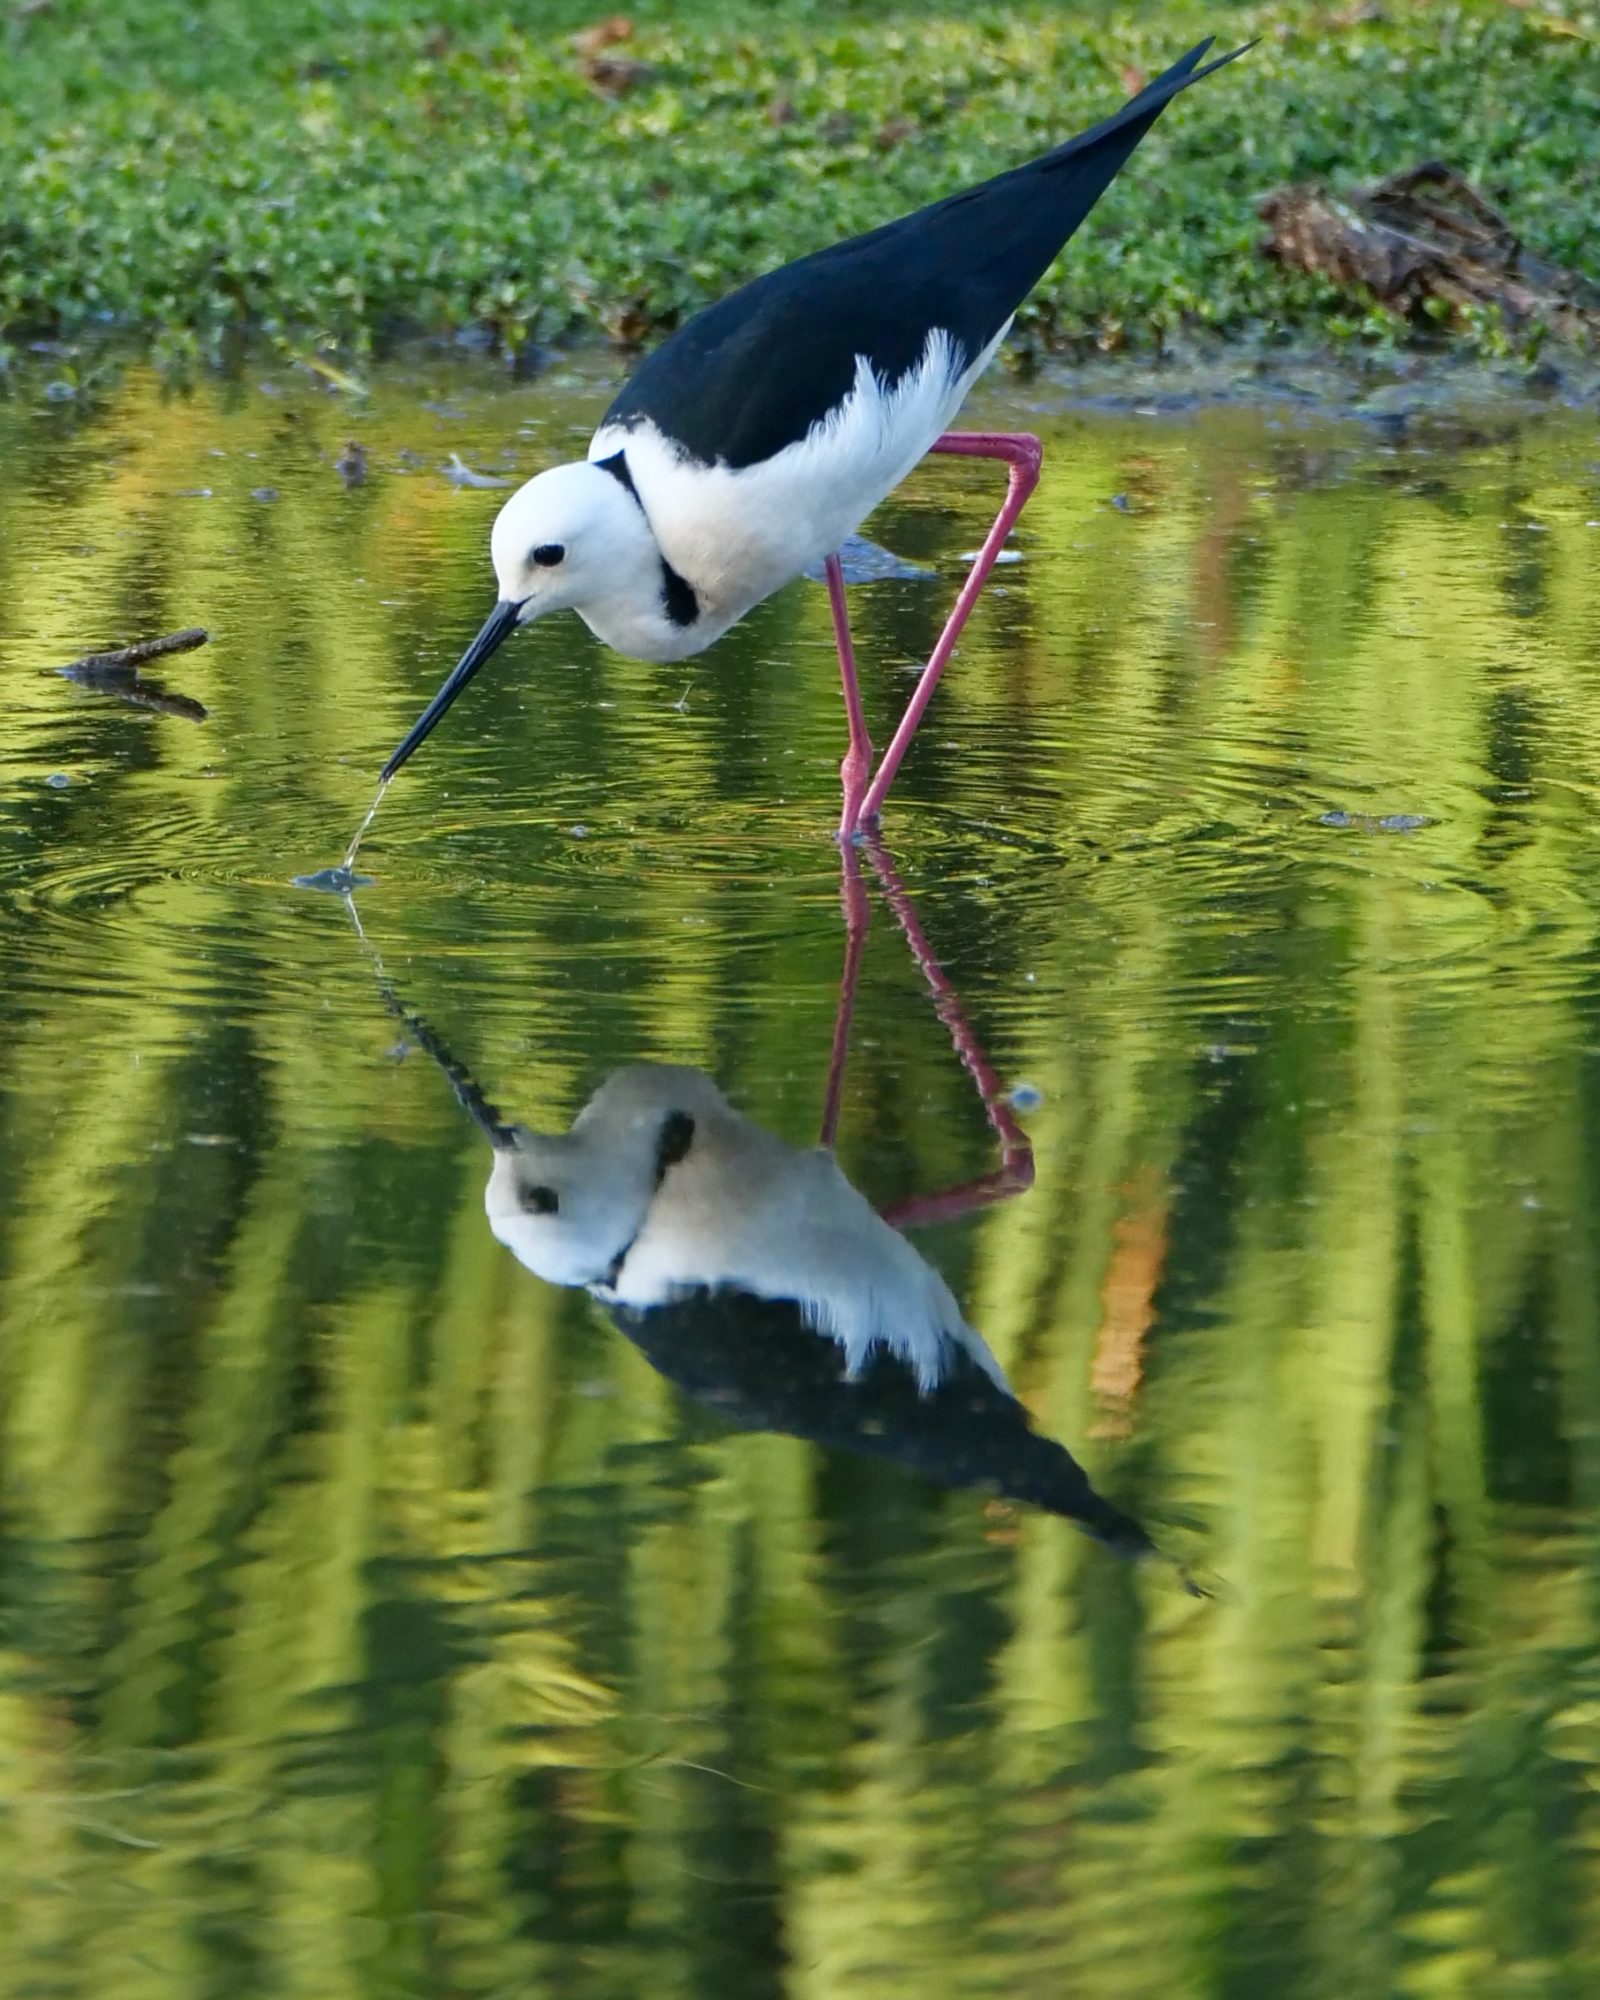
662, 1188
570, 1206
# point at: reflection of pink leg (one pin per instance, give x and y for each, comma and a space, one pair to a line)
857, 918
1022, 453
1015, 1172
857, 765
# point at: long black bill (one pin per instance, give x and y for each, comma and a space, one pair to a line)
498, 626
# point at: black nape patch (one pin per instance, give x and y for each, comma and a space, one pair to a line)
673, 1142
617, 466
683, 607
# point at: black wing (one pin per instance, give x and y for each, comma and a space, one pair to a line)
753, 373
760, 1367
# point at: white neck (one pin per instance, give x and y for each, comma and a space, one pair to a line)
631, 614
631, 617
608, 564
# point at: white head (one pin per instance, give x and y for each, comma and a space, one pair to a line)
569, 1205
564, 1209
556, 542
570, 537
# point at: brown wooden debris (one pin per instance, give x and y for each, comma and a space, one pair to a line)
628, 323
610, 75
1423, 235
128, 659
117, 673
140, 693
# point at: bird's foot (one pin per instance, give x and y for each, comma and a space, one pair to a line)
854, 773
858, 828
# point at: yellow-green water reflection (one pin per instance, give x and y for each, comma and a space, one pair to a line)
373, 1621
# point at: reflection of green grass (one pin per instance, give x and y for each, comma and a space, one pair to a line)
373, 1622
347, 169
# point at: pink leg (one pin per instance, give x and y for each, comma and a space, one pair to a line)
1022, 454
857, 765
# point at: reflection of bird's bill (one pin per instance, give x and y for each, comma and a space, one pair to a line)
471, 1099
467, 1092
491, 635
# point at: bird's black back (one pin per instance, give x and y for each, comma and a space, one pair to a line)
753, 373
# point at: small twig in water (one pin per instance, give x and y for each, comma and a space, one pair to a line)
128, 659
134, 689
117, 674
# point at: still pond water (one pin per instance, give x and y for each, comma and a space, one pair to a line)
376, 1620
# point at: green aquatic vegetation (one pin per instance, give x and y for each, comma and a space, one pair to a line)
341, 173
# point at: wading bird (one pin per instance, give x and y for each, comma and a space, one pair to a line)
750, 445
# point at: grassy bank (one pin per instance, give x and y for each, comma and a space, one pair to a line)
348, 171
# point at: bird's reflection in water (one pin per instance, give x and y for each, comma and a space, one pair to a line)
758, 1280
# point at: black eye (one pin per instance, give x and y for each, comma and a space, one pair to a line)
541, 1200
548, 554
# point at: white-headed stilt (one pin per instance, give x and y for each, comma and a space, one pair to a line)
748, 446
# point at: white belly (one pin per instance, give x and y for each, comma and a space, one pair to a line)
737, 536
